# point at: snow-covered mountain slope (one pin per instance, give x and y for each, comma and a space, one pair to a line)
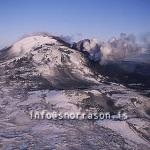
48, 58
43, 74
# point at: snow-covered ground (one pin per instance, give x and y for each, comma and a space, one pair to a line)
52, 77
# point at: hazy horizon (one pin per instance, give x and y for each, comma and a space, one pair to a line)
101, 19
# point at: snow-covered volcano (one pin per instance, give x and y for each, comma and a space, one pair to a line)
51, 58
42, 73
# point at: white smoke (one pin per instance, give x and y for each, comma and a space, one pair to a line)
106, 53
124, 47
91, 47
146, 41
115, 49
120, 48
67, 38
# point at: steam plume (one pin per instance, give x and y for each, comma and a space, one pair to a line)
124, 47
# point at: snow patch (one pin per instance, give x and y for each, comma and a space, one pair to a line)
122, 128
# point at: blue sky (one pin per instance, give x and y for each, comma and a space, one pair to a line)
101, 19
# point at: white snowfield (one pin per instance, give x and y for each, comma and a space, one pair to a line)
27, 44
